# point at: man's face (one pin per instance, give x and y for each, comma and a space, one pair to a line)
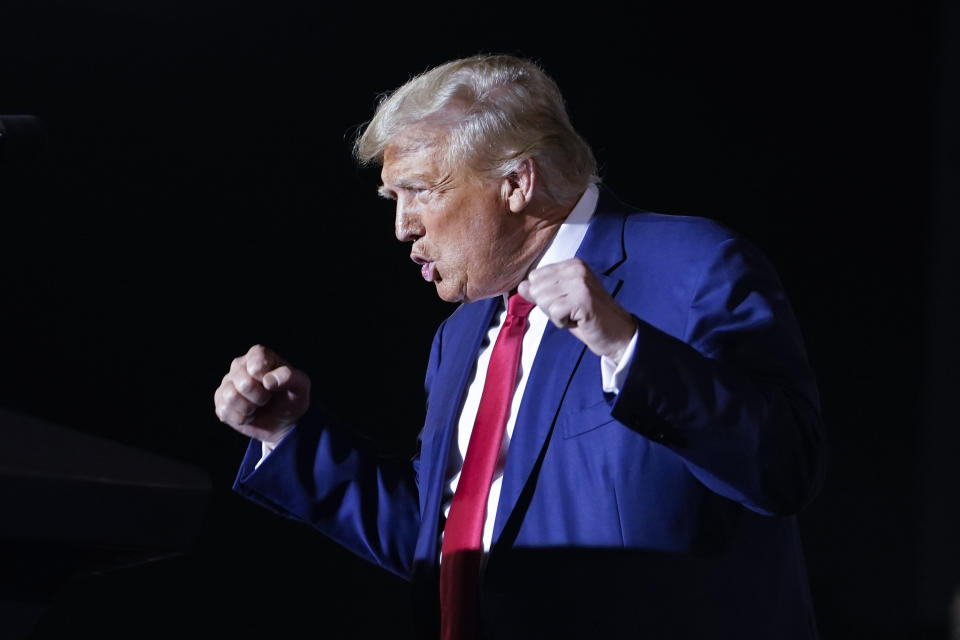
459, 222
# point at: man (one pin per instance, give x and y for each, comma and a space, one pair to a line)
632, 471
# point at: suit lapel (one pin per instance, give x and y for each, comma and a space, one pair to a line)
602, 247
464, 333
557, 358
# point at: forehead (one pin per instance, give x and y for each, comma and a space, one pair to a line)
404, 162
415, 150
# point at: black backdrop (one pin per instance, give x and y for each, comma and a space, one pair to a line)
197, 195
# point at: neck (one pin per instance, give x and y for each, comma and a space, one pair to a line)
541, 221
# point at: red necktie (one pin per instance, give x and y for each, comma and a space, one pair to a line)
462, 534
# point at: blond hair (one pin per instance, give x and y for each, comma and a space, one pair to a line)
495, 111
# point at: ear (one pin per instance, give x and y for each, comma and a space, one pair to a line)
519, 185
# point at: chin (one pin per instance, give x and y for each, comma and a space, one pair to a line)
448, 294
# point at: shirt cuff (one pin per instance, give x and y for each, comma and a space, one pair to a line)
267, 447
614, 374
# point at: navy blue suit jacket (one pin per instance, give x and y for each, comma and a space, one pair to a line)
666, 511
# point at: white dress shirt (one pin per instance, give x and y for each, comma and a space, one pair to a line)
563, 247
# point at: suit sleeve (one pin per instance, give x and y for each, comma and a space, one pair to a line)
735, 397
320, 475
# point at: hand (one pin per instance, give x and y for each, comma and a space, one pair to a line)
574, 299
262, 396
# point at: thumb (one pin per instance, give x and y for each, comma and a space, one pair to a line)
279, 378
294, 382
524, 290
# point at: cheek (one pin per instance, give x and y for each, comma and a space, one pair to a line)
466, 234
472, 248
456, 262
453, 237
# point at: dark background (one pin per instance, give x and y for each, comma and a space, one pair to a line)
197, 195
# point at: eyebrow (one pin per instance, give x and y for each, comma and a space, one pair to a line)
409, 182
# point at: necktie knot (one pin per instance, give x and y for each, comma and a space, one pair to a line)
518, 306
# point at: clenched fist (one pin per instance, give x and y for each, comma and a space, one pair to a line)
574, 299
262, 395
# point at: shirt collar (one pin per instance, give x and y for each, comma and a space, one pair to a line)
567, 240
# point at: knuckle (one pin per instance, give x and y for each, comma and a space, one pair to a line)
225, 415
256, 367
244, 385
229, 394
580, 269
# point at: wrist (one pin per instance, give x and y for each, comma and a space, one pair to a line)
626, 332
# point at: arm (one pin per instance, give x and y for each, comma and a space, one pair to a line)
316, 473
734, 397
322, 476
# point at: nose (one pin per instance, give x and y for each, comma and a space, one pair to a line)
407, 225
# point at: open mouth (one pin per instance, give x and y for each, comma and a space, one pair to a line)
428, 268
429, 271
